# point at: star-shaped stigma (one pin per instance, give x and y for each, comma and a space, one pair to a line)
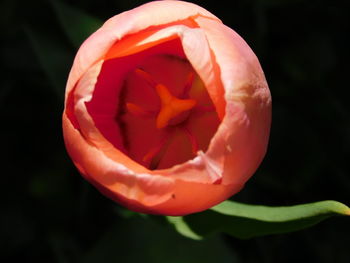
171, 107
170, 117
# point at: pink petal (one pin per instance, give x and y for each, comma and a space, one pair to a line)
133, 21
243, 134
235, 83
112, 177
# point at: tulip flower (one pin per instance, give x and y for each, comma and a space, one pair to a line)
167, 110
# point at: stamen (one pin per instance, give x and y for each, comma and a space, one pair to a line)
193, 140
138, 111
188, 84
154, 155
152, 152
170, 106
146, 76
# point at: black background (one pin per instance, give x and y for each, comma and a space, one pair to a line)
50, 214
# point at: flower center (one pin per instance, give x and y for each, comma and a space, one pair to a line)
164, 114
172, 108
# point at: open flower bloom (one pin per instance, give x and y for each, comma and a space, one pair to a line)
167, 110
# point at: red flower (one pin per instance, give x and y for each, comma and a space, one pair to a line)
167, 110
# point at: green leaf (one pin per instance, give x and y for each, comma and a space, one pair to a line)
53, 56
76, 24
246, 221
183, 228
139, 239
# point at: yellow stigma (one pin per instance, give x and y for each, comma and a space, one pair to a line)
171, 106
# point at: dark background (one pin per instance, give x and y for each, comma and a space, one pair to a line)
50, 214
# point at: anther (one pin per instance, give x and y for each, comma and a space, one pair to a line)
146, 76
138, 111
188, 84
154, 155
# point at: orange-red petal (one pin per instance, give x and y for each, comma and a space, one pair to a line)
232, 76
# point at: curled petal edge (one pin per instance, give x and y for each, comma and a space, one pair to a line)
247, 113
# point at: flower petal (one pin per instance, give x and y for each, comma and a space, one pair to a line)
192, 197
129, 22
243, 134
138, 190
235, 83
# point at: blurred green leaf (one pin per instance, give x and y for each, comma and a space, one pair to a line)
182, 227
53, 56
246, 221
76, 24
142, 240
